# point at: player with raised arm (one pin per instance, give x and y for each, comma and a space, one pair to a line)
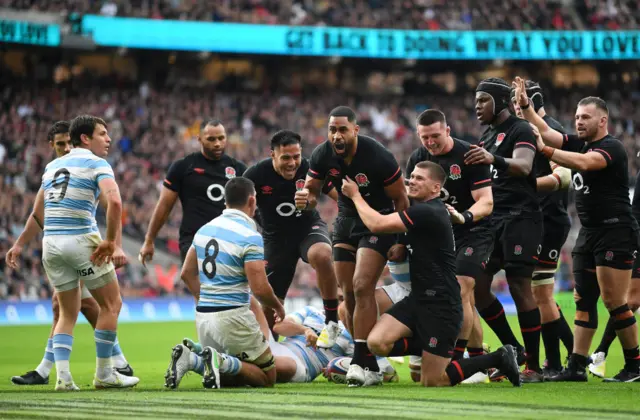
608, 240
359, 255
223, 267
73, 250
508, 145
60, 142
428, 321
290, 234
553, 191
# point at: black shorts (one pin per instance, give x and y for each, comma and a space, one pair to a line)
436, 325
473, 248
613, 247
184, 244
282, 253
516, 240
553, 239
351, 231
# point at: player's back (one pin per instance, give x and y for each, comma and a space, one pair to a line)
70, 185
222, 247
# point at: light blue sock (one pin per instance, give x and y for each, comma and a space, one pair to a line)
117, 351
44, 368
104, 347
62, 345
195, 363
117, 356
230, 365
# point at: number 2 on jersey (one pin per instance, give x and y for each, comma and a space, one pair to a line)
209, 262
60, 182
494, 172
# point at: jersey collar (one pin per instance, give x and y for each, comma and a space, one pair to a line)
240, 213
80, 151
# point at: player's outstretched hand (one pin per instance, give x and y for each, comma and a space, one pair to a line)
397, 253
478, 156
120, 258
13, 257
349, 187
456, 217
280, 313
146, 253
521, 91
311, 337
103, 253
302, 199
539, 142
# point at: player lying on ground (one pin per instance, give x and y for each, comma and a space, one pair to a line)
428, 321
60, 142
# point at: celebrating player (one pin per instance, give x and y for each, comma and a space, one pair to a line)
359, 255
428, 321
60, 142
508, 145
290, 234
607, 243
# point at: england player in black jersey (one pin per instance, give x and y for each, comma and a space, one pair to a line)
290, 234
359, 255
428, 321
468, 195
508, 145
553, 183
608, 240
198, 180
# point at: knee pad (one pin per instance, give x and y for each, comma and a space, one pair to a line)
587, 303
623, 317
522, 271
542, 278
343, 255
266, 362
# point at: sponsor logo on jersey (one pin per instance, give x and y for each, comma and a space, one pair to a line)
198, 170
433, 342
229, 172
608, 256
455, 172
468, 252
500, 138
299, 184
266, 189
334, 172
85, 271
517, 250
362, 180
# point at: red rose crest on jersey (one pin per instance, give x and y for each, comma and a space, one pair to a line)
266, 189
468, 252
229, 172
362, 180
499, 139
373, 239
455, 172
517, 250
608, 256
334, 172
299, 184
433, 342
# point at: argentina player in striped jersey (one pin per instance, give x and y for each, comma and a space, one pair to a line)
223, 267
73, 250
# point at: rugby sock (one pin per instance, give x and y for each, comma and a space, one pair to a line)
494, 316
632, 359
229, 365
363, 357
44, 368
577, 362
475, 351
330, 310
565, 332
117, 357
458, 351
406, 346
459, 370
608, 337
62, 344
104, 348
196, 364
551, 340
530, 328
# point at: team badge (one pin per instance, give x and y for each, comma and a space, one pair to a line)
198, 170
517, 250
299, 184
608, 256
500, 138
362, 180
433, 342
229, 172
266, 189
334, 172
468, 252
455, 172
373, 239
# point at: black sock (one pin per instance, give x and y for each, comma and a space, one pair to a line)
565, 332
475, 351
330, 310
360, 348
458, 351
551, 341
632, 359
608, 337
459, 370
406, 346
530, 328
494, 316
577, 362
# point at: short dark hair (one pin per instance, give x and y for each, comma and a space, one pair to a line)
59, 127
431, 116
237, 191
598, 102
435, 171
343, 111
211, 122
83, 124
285, 138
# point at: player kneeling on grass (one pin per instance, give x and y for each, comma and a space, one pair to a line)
428, 321
223, 267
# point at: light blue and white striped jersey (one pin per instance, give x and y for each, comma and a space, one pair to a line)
71, 191
400, 273
223, 246
316, 360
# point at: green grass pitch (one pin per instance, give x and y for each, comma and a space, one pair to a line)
148, 348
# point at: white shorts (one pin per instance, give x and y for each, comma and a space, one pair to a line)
85, 293
66, 260
279, 349
396, 292
235, 332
